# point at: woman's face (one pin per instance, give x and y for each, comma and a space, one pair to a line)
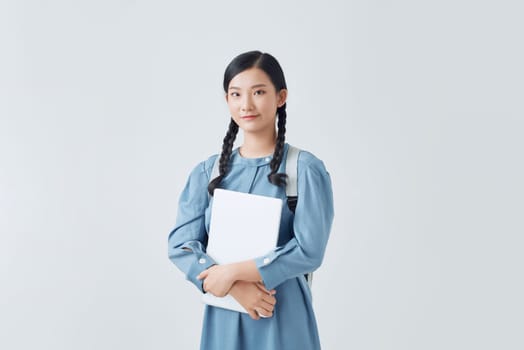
253, 101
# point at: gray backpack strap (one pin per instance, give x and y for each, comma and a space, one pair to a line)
292, 171
292, 189
215, 171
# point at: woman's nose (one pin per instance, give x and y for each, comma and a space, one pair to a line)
247, 103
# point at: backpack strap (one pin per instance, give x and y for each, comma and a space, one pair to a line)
215, 171
292, 189
291, 171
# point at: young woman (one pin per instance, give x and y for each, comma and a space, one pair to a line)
273, 287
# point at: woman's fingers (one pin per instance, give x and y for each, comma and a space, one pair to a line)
269, 299
268, 305
264, 313
261, 312
202, 275
266, 309
253, 314
255, 298
263, 288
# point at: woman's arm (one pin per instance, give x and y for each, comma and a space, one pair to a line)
186, 242
218, 279
312, 222
242, 282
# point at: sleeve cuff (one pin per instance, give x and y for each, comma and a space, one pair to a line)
271, 273
202, 263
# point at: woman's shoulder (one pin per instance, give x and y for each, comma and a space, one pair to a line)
307, 160
204, 167
209, 163
312, 175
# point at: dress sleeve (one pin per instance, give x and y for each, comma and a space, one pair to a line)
188, 240
312, 224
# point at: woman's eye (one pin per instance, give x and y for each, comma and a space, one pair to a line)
235, 94
259, 92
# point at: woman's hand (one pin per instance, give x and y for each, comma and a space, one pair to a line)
218, 279
255, 298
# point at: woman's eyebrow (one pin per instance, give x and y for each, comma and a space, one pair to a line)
253, 87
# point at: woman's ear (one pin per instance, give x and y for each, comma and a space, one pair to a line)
282, 97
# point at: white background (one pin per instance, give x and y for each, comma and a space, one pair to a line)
414, 106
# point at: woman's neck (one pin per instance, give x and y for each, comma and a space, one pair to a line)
256, 146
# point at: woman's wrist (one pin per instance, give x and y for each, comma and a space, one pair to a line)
235, 271
245, 271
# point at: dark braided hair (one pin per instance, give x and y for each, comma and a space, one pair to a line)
274, 177
269, 64
227, 147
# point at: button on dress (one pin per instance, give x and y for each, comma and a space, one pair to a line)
300, 249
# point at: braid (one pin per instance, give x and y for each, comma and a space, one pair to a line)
280, 178
227, 147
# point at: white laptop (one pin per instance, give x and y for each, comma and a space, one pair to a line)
243, 226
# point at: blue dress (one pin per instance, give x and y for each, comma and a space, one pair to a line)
302, 241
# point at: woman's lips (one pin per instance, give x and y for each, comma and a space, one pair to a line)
248, 117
